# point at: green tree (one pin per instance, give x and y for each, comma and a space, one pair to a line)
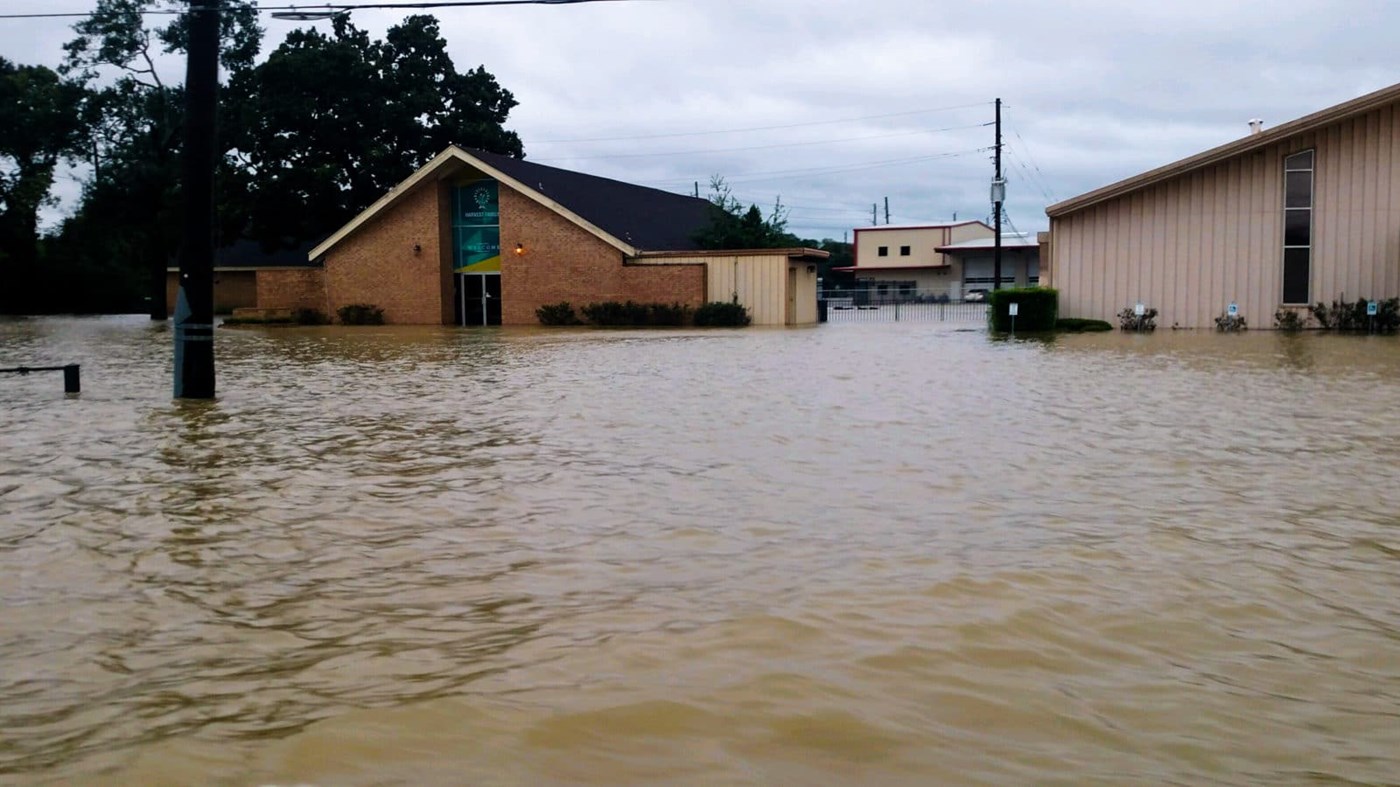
42, 117
329, 123
130, 207
731, 226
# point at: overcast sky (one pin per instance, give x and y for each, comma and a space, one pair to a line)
834, 105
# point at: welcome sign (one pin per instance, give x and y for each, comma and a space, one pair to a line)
476, 227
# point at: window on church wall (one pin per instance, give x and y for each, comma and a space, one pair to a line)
1297, 226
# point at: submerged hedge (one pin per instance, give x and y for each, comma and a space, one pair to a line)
632, 314
1038, 308
718, 314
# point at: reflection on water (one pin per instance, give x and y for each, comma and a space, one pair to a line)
890, 553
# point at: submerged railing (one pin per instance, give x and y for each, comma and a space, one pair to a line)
72, 382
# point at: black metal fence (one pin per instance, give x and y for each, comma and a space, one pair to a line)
858, 306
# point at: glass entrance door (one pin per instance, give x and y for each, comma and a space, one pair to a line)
478, 299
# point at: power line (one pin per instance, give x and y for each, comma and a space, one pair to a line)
755, 128
780, 174
760, 147
1044, 181
328, 8
1030, 179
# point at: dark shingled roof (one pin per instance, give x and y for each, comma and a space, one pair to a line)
650, 219
248, 253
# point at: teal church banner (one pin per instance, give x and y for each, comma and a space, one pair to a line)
476, 227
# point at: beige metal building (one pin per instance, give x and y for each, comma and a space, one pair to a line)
907, 258
1300, 213
1020, 261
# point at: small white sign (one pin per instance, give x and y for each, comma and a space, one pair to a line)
1371, 309
1233, 310
1140, 310
1013, 309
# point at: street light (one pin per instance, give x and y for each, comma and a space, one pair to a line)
307, 15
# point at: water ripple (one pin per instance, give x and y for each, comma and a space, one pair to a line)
891, 553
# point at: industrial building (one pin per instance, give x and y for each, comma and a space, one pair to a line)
1286, 216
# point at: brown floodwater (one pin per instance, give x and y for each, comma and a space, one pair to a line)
867, 553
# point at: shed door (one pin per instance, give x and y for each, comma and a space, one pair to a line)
791, 296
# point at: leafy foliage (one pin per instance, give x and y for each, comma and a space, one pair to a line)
631, 313
126, 224
40, 113
1129, 320
1037, 311
1346, 316
561, 313
1290, 320
719, 314
308, 316
1226, 323
329, 123
360, 314
309, 138
732, 227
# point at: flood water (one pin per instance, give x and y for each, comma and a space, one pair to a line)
871, 554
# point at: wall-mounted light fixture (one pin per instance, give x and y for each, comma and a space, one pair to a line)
417, 248
519, 249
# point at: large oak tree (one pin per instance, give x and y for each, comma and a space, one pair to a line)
330, 122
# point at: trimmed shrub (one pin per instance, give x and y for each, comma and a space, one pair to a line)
1227, 324
633, 314
1038, 308
1082, 325
360, 314
667, 314
310, 317
1343, 315
561, 313
612, 313
1129, 320
719, 314
1290, 320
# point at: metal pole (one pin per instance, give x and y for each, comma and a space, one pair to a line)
996, 218
194, 305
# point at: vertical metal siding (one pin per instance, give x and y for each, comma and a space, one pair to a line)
759, 281
1190, 245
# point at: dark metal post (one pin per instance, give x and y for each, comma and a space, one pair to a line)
194, 305
998, 188
71, 383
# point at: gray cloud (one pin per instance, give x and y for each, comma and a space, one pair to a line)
1095, 91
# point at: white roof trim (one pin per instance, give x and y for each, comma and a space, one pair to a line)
455, 153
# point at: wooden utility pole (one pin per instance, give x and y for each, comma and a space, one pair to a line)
998, 196
194, 305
